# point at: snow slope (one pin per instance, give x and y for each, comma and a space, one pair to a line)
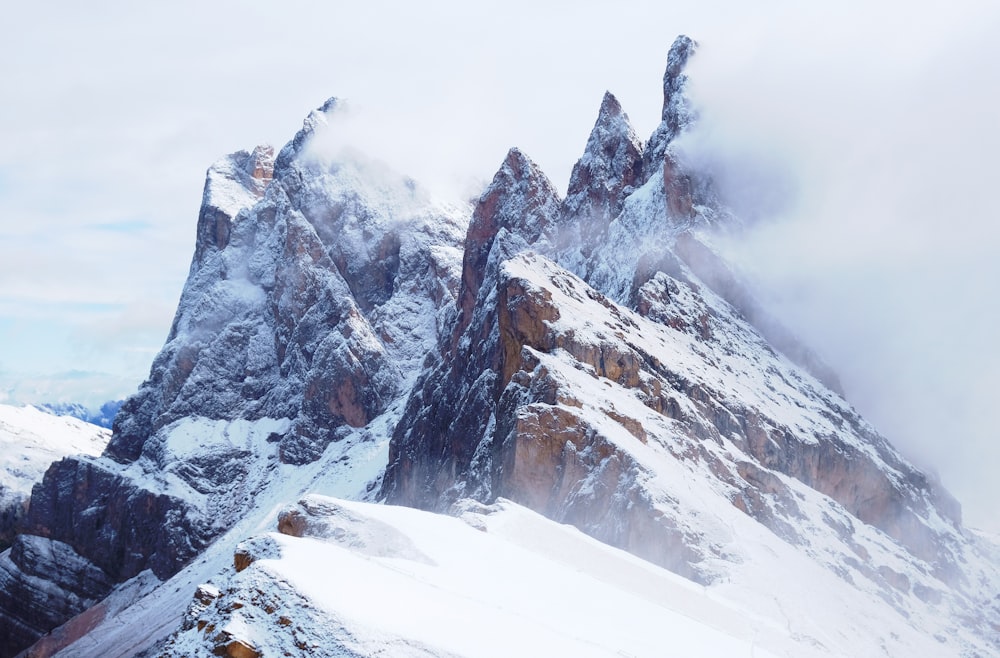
145, 609
504, 582
501, 580
30, 440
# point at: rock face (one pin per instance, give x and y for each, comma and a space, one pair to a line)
577, 370
590, 357
677, 113
30, 439
315, 290
610, 169
314, 305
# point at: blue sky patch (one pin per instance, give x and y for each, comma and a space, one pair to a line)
123, 226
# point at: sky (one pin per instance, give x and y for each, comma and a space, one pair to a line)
859, 140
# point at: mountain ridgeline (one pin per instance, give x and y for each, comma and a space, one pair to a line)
589, 356
103, 416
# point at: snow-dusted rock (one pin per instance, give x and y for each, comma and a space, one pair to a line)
30, 440
317, 286
609, 170
555, 393
677, 112
521, 201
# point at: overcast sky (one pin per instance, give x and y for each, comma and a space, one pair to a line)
863, 140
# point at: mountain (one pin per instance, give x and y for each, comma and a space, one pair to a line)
537, 360
31, 440
102, 417
315, 290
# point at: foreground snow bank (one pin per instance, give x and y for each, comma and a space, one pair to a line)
496, 581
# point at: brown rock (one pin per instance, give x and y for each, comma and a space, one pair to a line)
261, 167
520, 200
678, 189
292, 522
242, 559
235, 649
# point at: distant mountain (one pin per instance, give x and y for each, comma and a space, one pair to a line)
581, 379
30, 440
102, 417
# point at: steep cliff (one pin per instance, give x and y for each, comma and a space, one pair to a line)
314, 292
30, 440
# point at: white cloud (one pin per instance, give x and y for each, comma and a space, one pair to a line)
886, 259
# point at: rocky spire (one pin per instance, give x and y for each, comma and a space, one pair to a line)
316, 119
453, 401
521, 201
606, 173
677, 113
232, 183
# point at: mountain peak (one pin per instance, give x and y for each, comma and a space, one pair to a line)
674, 78
518, 167
592, 358
612, 125
313, 121
232, 183
520, 200
605, 174
677, 113
610, 107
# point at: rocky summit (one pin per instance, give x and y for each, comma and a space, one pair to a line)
589, 357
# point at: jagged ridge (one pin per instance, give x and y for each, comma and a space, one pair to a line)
590, 357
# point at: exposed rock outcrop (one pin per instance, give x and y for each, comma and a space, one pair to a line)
609, 170
522, 202
43, 582
531, 439
677, 113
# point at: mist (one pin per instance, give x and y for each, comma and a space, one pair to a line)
862, 155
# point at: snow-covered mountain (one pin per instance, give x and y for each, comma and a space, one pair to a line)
539, 359
30, 440
103, 416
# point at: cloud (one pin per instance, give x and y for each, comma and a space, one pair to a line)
884, 257
89, 388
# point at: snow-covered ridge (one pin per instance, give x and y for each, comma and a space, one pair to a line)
584, 356
502, 581
30, 440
